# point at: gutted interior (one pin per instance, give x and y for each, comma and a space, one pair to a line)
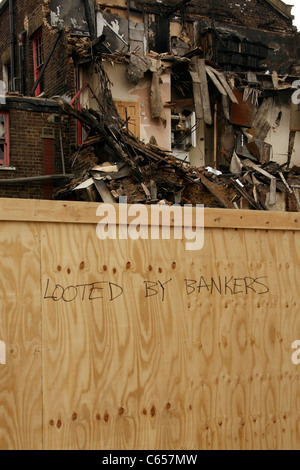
207, 90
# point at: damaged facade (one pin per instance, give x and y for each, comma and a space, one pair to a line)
181, 102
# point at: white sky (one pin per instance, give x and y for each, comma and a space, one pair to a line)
295, 11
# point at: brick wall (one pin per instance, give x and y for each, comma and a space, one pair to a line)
30, 16
29, 132
247, 13
60, 77
29, 129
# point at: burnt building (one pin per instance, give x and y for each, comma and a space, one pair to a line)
34, 68
208, 83
254, 44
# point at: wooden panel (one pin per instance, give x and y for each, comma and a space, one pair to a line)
85, 213
202, 363
147, 345
20, 331
130, 111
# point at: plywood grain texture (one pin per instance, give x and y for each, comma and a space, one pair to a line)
20, 331
144, 344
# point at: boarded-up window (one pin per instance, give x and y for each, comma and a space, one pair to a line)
130, 113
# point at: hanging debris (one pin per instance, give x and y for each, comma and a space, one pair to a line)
113, 163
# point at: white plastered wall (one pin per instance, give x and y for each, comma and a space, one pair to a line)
123, 90
279, 134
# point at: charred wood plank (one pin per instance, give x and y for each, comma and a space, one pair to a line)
250, 165
242, 191
197, 91
204, 91
225, 84
96, 126
215, 80
224, 201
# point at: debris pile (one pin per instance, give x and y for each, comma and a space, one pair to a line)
113, 164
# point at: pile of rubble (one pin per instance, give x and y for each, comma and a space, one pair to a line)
112, 164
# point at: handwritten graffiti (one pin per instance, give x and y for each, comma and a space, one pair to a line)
94, 291
227, 285
110, 291
156, 288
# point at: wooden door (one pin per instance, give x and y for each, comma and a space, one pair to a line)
130, 113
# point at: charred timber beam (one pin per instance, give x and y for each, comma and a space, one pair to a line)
96, 126
177, 7
89, 19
